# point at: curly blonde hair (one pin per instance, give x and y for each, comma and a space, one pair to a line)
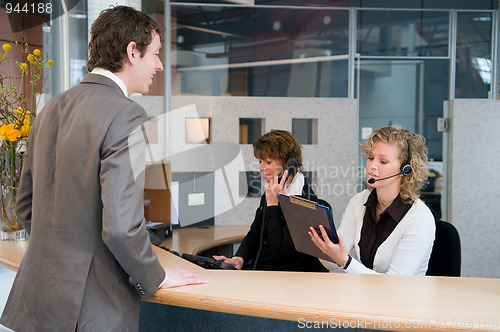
411, 184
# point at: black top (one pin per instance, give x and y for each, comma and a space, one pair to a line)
373, 232
278, 251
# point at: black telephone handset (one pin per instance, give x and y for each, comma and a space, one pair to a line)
291, 167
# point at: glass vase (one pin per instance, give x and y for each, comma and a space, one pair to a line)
11, 228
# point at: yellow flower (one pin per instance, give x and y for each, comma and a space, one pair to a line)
37, 52
50, 62
19, 110
9, 132
24, 66
6, 47
31, 58
25, 128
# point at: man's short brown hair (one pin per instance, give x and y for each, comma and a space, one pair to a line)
111, 33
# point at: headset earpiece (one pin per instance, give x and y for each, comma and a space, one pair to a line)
406, 167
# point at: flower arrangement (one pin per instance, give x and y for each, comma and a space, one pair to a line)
21, 86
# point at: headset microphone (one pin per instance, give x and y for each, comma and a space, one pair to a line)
372, 180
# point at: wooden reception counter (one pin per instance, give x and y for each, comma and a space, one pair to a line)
309, 300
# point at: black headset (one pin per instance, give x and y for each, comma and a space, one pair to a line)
406, 167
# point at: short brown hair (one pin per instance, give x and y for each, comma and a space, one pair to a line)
278, 145
411, 184
111, 33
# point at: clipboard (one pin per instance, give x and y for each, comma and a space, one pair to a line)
300, 214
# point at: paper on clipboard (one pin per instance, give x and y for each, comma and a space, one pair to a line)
300, 214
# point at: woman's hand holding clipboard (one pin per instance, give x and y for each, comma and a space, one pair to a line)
300, 215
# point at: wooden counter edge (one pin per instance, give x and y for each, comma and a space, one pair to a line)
301, 315
9, 264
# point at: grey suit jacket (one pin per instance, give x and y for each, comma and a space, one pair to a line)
89, 260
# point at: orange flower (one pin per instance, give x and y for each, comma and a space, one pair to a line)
9, 132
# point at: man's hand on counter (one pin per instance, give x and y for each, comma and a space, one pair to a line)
180, 277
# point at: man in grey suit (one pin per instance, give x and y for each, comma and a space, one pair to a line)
89, 260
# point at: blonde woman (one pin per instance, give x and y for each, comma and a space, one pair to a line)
390, 229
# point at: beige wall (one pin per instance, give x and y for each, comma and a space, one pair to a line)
334, 159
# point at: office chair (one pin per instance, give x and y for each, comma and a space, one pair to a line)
446, 255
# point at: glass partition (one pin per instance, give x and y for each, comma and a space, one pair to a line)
405, 92
305, 130
253, 51
250, 129
473, 59
403, 33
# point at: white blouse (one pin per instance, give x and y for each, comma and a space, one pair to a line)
407, 249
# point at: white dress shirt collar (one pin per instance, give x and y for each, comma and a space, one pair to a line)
111, 76
295, 188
